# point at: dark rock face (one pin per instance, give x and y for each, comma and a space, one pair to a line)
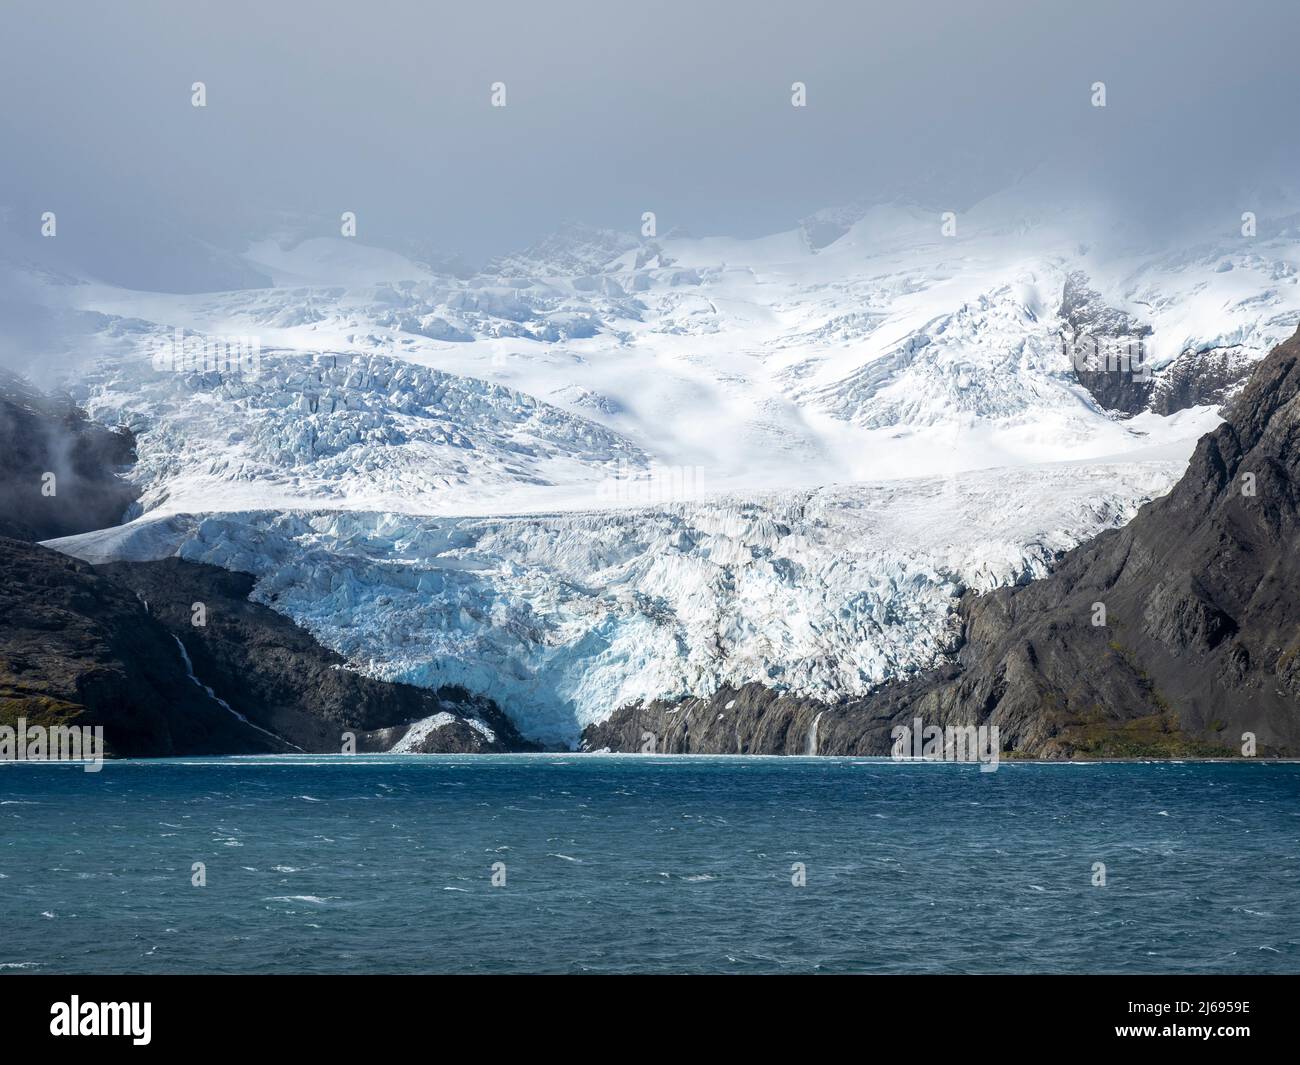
42, 435
1197, 378
1085, 313
77, 648
116, 645
1201, 593
1199, 641
753, 719
1106, 347
276, 674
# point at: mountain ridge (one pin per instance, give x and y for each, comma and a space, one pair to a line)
1197, 651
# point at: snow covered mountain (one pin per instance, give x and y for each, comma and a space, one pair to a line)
608, 469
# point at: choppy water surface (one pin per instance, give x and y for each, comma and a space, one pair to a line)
633, 864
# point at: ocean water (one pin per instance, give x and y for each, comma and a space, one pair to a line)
647, 864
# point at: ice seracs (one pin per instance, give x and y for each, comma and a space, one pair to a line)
611, 469
563, 617
306, 428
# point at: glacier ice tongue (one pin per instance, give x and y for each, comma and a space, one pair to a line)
562, 618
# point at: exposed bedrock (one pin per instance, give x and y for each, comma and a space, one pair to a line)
1174, 635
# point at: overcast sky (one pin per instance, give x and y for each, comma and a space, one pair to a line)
679, 106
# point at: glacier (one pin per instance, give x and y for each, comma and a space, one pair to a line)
607, 469
562, 618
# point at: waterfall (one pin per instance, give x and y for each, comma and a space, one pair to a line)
189, 669
812, 734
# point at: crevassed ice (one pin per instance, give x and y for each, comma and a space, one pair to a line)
342, 428
859, 348
564, 618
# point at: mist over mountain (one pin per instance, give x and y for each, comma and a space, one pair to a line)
611, 112
607, 470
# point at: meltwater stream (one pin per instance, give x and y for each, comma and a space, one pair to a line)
634, 864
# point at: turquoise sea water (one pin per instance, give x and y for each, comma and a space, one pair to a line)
646, 864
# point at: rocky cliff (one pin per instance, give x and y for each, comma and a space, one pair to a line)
78, 648
117, 646
1108, 349
170, 657
1175, 635
278, 676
